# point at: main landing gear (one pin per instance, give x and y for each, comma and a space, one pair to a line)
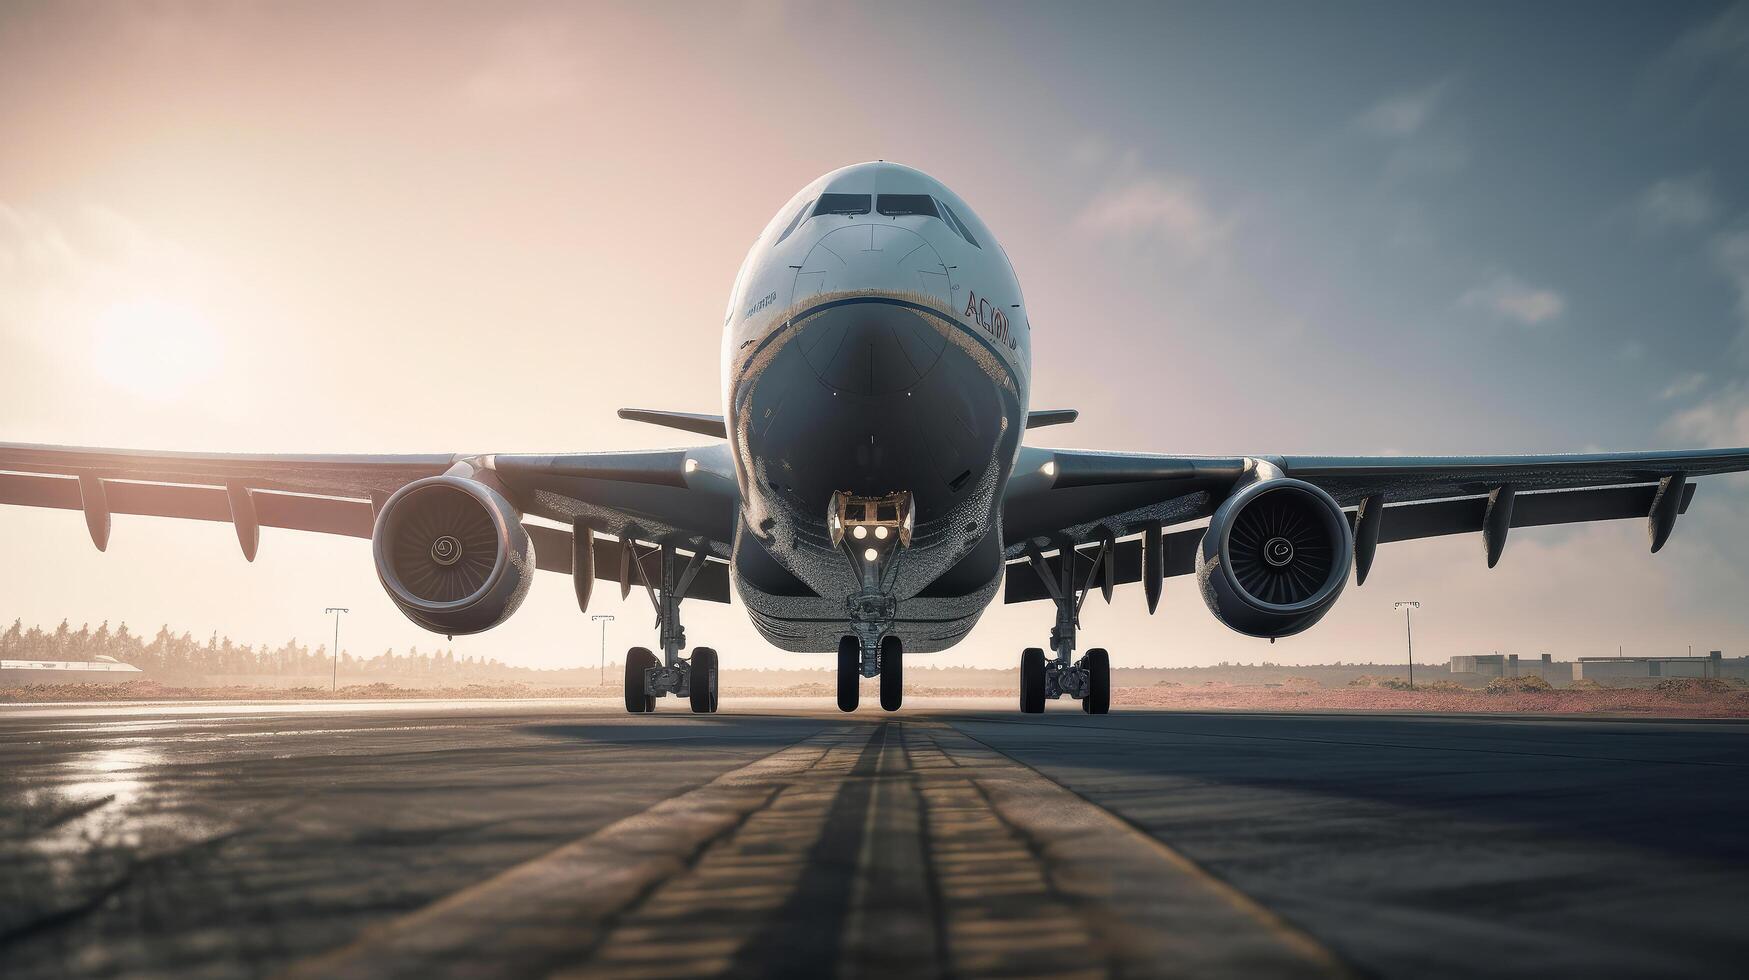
647, 677
1089, 679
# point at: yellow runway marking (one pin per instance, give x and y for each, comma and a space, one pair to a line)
898, 848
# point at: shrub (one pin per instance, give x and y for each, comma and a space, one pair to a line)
1694, 686
1529, 684
1443, 685
1388, 683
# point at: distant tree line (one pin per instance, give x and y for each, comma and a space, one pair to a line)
169, 654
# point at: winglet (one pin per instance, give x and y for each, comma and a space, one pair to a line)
704, 425
1050, 416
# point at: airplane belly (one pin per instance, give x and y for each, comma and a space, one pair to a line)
814, 625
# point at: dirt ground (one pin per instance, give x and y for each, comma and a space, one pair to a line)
1675, 698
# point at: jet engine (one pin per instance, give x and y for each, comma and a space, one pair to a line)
1275, 557
452, 554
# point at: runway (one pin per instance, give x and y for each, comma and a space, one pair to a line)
782, 838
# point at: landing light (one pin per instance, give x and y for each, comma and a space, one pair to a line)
860, 532
1049, 469
692, 466
870, 554
881, 533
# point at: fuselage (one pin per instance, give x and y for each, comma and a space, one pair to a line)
876, 342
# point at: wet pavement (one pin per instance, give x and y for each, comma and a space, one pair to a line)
784, 838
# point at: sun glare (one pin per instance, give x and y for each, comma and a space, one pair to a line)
153, 348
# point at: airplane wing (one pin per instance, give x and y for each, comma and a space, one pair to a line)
1071, 498
682, 496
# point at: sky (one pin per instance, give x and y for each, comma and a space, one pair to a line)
1241, 228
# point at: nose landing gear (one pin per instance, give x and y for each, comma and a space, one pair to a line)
1087, 680
871, 531
887, 662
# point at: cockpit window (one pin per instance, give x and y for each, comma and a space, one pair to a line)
958, 225
894, 205
795, 222
842, 204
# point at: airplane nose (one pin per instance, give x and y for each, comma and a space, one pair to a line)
868, 337
871, 348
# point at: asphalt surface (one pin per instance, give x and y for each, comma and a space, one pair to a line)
781, 838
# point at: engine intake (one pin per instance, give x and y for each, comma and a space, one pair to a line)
1275, 557
453, 554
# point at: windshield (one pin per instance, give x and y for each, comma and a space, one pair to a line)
842, 204
897, 204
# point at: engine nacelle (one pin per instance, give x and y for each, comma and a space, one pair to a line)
1275, 557
453, 554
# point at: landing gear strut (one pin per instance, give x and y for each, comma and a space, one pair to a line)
1088, 680
648, 678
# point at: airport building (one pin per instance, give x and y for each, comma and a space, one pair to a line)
103, 670
1502, 665
1491, 665
1623, 668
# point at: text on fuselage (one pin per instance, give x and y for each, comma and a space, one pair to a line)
990, 317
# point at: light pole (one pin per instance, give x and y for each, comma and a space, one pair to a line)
1409, 634
603, 619
334, 682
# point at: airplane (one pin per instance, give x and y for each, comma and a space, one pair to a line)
867, 488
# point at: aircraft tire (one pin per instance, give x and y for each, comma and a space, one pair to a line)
849, 673
1098, 665
1032, 681
704, 681
638, 660
892, 673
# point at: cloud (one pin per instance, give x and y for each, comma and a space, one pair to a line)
58, 270
1508, 298
1721, 420
1419, 147
1701, 81
1721, 43
1683, 385
1158, 207
1676, 204
61, 273
1405, 114
35, 258
530, 65
1090, 151
1430, 157
94, 305
1730, 253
